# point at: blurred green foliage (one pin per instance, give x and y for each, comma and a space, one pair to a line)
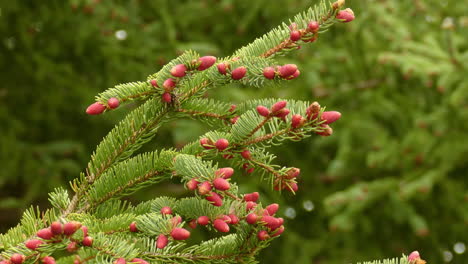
392, 178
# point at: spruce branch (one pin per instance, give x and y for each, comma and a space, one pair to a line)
95, 227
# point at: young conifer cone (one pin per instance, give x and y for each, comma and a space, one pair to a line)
225, 173
95, 109
161, 242
347, 15
313, 26
179, 70
206, 62
203, 220
287, 70
263, 111
222, 144
17, 258
238, 73
33, 243
192, 184
221, 226
180, 233
215, 199
45, 233
139, 261
204, 188
263, 235
330, 116
87, 241
133, 227
48, 260
166, 210
269, 73
251, 218
221, 184
113, 103
71, 227
251, 197
222, 68
56, 228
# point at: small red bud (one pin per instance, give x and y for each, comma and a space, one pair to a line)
215, 199
413, 256
71, 227
327, 131
347, 15
251, 218
206, 143
313, 26
72, 246
313, 110
180, 233
232, 108
154, 83
234, 219
295, 35
282, 113
297, 121
192, 184
278, 106
225, 173
221, 226
139, 261
294, 187
206, 62
193, 224
84, 229
120, 261
250, 205
179, 70
222, 68
161, 242
238, 73
263, 111
330, 116
293, 26
95, 109
263, 235
48, 260
56, 228
294, 76
279, 231
113, 103
270, 222
33, 244
222, 144
87, 241
204, 188
221, 184
17, 258
234, 120
203, 220
246, 154
169, 84
251, 197
269, 73
280, 221
272, 208
166, 210
133, 227
293, 173
287, 70
250, 170
45, 233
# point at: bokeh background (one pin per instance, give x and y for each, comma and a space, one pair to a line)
392, 179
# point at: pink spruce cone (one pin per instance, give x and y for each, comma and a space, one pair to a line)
225, 173
263, 111
161, 242
180, 233
238, 73
269, 73
206, 62
221, 184
221, 225
95, 109
179, 70
215, 199
347, 15
414, 256
113, 103
330, 116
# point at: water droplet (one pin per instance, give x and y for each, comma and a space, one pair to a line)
121, 34
448, 256
459, 247
308, 205
290, 213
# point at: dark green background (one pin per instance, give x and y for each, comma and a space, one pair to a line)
392, 178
